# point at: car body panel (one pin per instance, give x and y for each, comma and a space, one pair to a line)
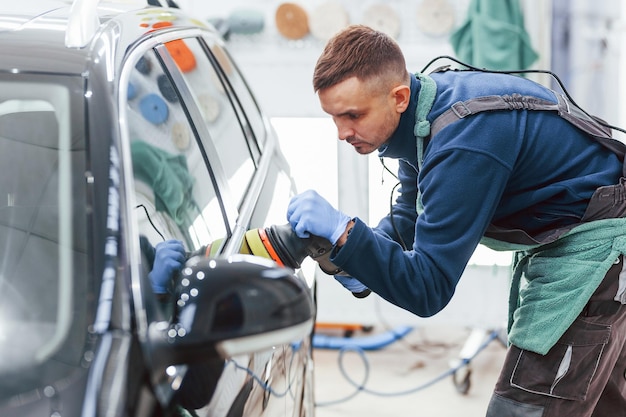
105, 347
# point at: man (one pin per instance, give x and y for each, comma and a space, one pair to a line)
513, 178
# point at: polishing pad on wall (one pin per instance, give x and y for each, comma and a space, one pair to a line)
153, 108
167, 89
435, 17
131, 93
143, 66
181, 53
383, 18
292, 21
327, 19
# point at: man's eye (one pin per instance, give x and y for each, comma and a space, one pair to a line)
353, 116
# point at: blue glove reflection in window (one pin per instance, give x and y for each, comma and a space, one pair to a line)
169, 257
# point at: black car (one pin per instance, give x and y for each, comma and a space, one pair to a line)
123, 125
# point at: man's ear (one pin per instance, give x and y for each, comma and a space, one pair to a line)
401, 95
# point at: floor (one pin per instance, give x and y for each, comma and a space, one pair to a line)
411, 376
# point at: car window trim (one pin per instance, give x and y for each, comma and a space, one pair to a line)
212, 161
128, 216
257, 107
244, 122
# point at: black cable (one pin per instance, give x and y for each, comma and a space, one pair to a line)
289, 376
150, 220
361, 386
382, 161
391, 216
393, 221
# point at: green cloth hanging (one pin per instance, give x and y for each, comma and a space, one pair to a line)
168, 177
494, 37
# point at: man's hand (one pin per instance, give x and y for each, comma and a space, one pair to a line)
353, 285
310, 214
168, 260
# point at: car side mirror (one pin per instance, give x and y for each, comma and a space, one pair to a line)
225, 307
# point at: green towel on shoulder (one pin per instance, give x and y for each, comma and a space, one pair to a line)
494, 37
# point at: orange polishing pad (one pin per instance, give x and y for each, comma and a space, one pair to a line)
260, 246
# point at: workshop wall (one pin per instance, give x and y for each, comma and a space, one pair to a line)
582, 41
587, 50
280, 67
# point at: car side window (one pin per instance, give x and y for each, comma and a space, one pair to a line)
220, 112
174, 189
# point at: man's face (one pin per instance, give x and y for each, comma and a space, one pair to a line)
365, 116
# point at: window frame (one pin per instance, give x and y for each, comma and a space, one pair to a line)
254, 143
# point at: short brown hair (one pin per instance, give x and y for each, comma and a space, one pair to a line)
362, 52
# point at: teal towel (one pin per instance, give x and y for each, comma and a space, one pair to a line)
494, 37
169, 178
552, 283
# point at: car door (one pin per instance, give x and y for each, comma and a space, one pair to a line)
261, 202
198, 176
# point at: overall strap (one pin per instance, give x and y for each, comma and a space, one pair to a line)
589, 124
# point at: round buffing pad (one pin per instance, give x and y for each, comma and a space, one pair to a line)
143, 66
327, 19
223, 59
131, 93
435, 17
184, 57
292, 21
256, 244
166, 88
153, 108
180, 136
210, 107
383, 18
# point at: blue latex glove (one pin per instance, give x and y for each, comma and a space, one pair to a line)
352, 284
310, 214
169, 258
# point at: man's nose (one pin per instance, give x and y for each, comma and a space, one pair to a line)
344, 132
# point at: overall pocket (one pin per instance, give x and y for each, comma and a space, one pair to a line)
567, 369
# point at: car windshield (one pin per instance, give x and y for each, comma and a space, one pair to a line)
43, 243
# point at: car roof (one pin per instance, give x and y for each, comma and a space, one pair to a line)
56, 36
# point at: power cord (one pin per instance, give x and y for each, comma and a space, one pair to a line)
150, 220
361, 386
391, 216
265, 385
259, 381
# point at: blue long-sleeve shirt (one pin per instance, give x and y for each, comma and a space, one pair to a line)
517, 169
